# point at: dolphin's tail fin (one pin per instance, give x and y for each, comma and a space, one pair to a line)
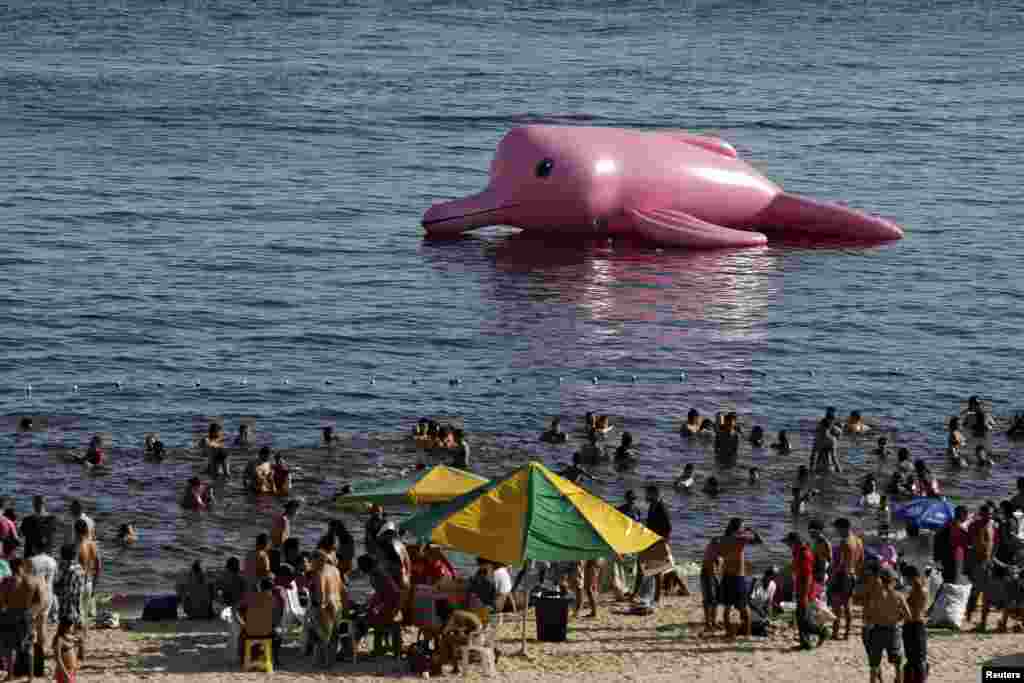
793, 215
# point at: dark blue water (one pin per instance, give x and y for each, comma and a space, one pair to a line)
229, 193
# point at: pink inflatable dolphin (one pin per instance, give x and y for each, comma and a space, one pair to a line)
671, 188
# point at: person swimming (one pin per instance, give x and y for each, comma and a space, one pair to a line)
575, 472
727, 439
707, 429
625, 455
801, 497
855, 424
220, 465
692, 424
803, 475
754, 476
711, 486
243, 440
95, 455
882, 448
328, 437
981, 457
554, 434
954, 444
684, 481
757, 437
198, 496
782, 445
126, 535
601, 425
1016, 429
154, 447
591, 453
870, 495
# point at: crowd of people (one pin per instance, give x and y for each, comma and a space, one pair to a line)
47, 589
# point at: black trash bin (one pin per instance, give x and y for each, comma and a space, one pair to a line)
552, 617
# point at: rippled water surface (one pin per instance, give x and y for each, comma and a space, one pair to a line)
229, 194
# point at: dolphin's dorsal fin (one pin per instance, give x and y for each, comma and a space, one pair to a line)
708, 142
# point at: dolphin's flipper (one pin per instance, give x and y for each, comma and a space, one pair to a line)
709, 142
680, 229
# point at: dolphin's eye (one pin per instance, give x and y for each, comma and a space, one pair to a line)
544, 168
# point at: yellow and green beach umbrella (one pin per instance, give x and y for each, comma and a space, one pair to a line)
532, 514
437, 484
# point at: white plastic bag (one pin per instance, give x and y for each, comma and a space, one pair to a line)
818, 614
950, 606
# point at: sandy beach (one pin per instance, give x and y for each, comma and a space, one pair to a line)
613, 647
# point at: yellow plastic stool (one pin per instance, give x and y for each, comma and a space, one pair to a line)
266, 662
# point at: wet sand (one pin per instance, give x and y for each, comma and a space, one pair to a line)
613, 647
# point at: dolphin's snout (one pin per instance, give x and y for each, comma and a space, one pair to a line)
460, 215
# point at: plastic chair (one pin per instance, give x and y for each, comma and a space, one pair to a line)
266, 660
482, 643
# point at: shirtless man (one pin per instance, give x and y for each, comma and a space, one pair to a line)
328, 592
23, 607
257, 564
710, 582
281, 530
848, 568
89, 558
732, 549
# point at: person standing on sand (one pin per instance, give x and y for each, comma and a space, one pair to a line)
734, 591
257, 564
77, 513
982, 536
822, 549
803, 588
44, 566
460, 454
281, 529
659, 522
848, 567
623, 566
39, 529
70, 587
885, 610
710, 583
372, 529
8, 529
915, 633
89, 558
23, 608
